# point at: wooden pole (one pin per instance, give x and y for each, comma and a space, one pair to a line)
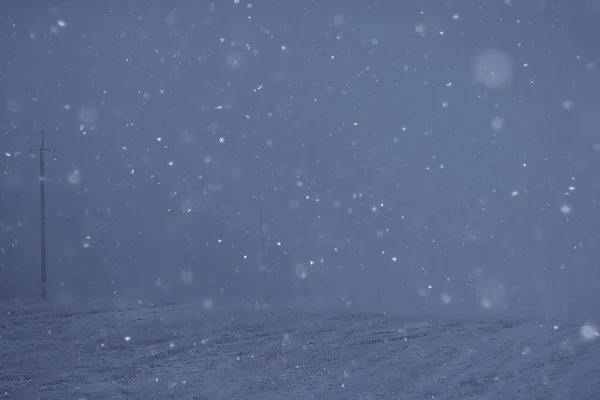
42, 150
379, 301
263, 252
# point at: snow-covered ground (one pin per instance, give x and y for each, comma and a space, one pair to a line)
190, 352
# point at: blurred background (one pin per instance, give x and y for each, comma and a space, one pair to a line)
424, 156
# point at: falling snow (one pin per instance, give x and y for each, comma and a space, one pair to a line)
393, 199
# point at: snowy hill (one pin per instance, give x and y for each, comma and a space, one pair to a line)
189, 352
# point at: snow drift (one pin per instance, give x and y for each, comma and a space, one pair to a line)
190, 352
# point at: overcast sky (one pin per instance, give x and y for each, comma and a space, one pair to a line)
449, 148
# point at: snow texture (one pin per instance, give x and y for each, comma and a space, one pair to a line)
189, 352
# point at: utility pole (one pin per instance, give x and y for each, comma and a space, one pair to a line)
42, 150
263, 251
379, 277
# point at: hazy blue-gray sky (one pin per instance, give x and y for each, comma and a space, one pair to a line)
455, 144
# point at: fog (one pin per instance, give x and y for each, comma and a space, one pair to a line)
420, 157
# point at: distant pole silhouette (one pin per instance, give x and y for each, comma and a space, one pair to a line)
42, 150
379, 301
263, 251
